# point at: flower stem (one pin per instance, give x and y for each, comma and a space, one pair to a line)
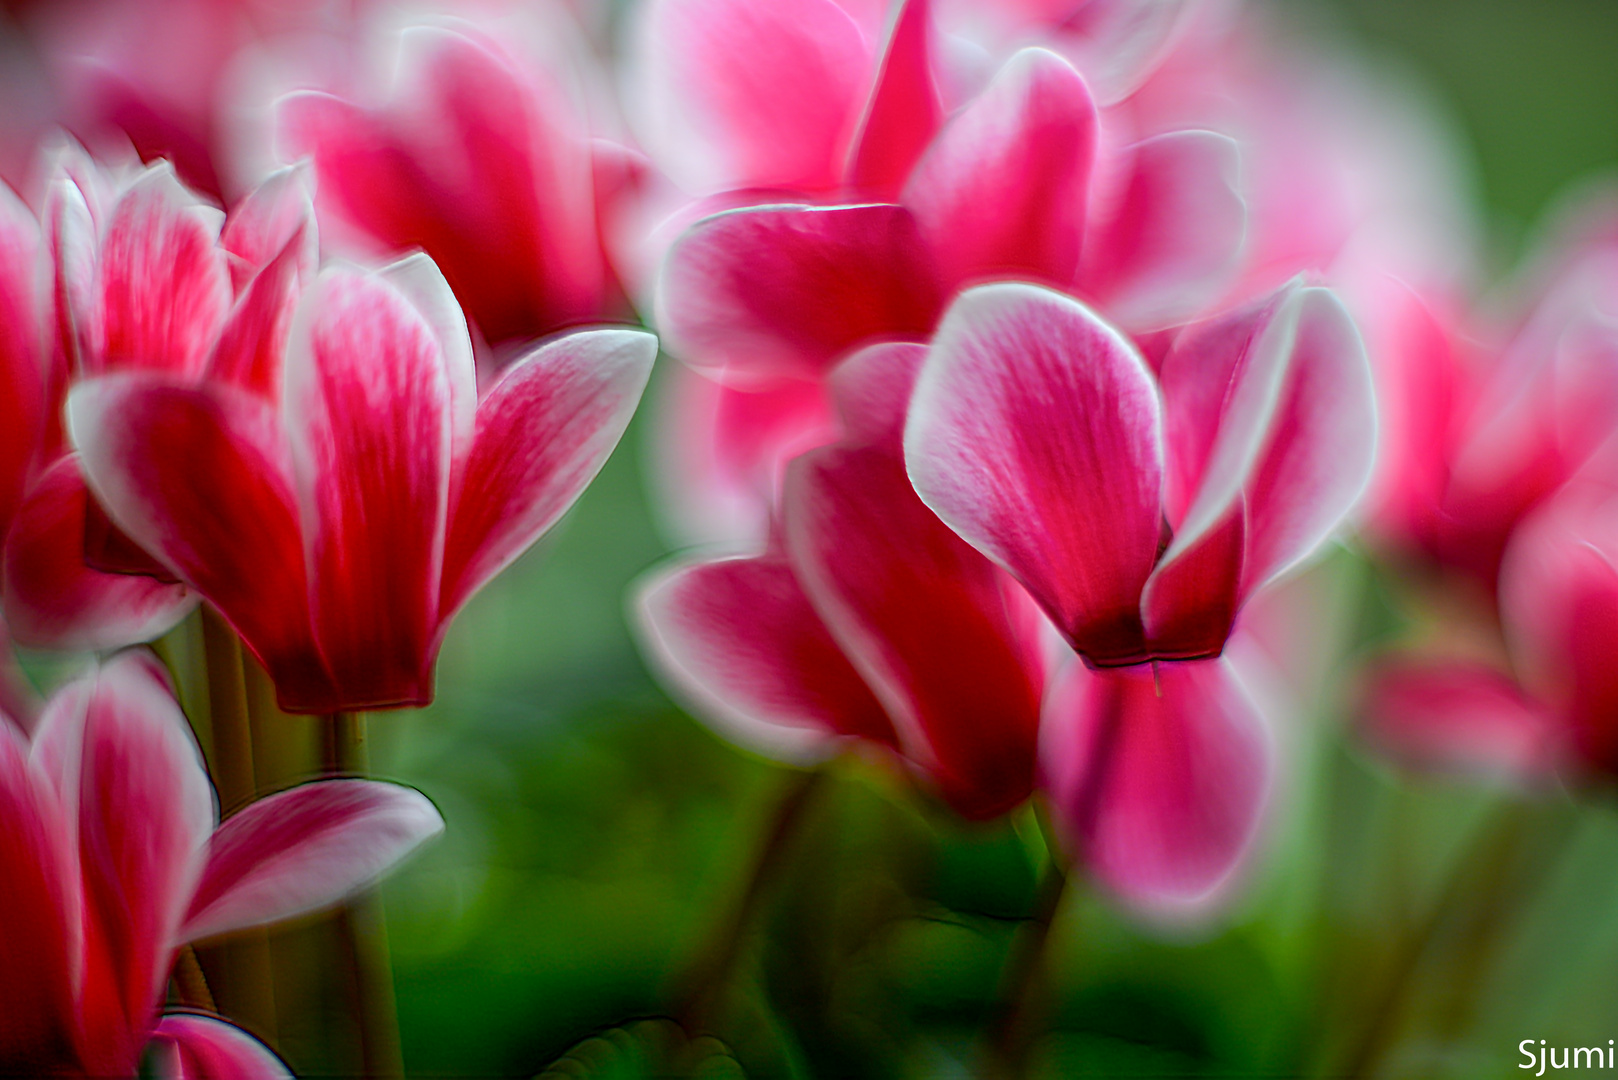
697, 989
243, 975
1025, 978
361, 927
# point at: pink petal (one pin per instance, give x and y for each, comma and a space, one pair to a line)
478, 162
369, 414
738, 639
768, 93
303, 849
38, 908
1559, 611
22, 363
543, 433
923, 617
1158, 776
271, 216
1001, 193
53, 600
252, 343
199, 478
1169, 246
903, 112
787, 290
421, 283
1321, 442
1460, 717
1116, 43
719, 451
127, 764
164, 285
1035, 433
196, 1047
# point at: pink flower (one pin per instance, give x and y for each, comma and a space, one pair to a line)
340, 525
114, 857
138, 274
481, 161
1482, 433
1023, 183
865, 618
1141, 511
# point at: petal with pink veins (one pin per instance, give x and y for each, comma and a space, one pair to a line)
1170, 243
303, 849
543, 432
740, 641
369, 410
1456, 716
903, 113
1001, 192
53, 599
164, 284
1035, 432
787, 290
252, 342
199, 477
1158, 776
770, 93
143, 810
191, 1046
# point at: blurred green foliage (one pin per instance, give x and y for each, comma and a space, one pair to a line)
596, 833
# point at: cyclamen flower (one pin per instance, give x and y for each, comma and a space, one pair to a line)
1553, 709
1481, 434
340, 525
484, 163
143, 275
113, 857
1023, 183
865, 618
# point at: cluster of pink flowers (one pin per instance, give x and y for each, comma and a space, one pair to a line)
1015, 349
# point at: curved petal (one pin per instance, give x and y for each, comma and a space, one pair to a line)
1460, 717
787, 290
543, 433
1001, 192
53, 600
754, 95
303, 849
42, 936
924, 618
903, 113
252, 342
1321, 442
424, 285
199, 478
1170, 244
738, 639
368, 410
1158, 776
195, 1047
277, 213
1035, 432
164, 285
142, 810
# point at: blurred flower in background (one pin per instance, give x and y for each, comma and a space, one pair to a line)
1115, 575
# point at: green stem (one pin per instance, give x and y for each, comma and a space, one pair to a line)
243, 976
1025, 978
361, 927
698, 988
